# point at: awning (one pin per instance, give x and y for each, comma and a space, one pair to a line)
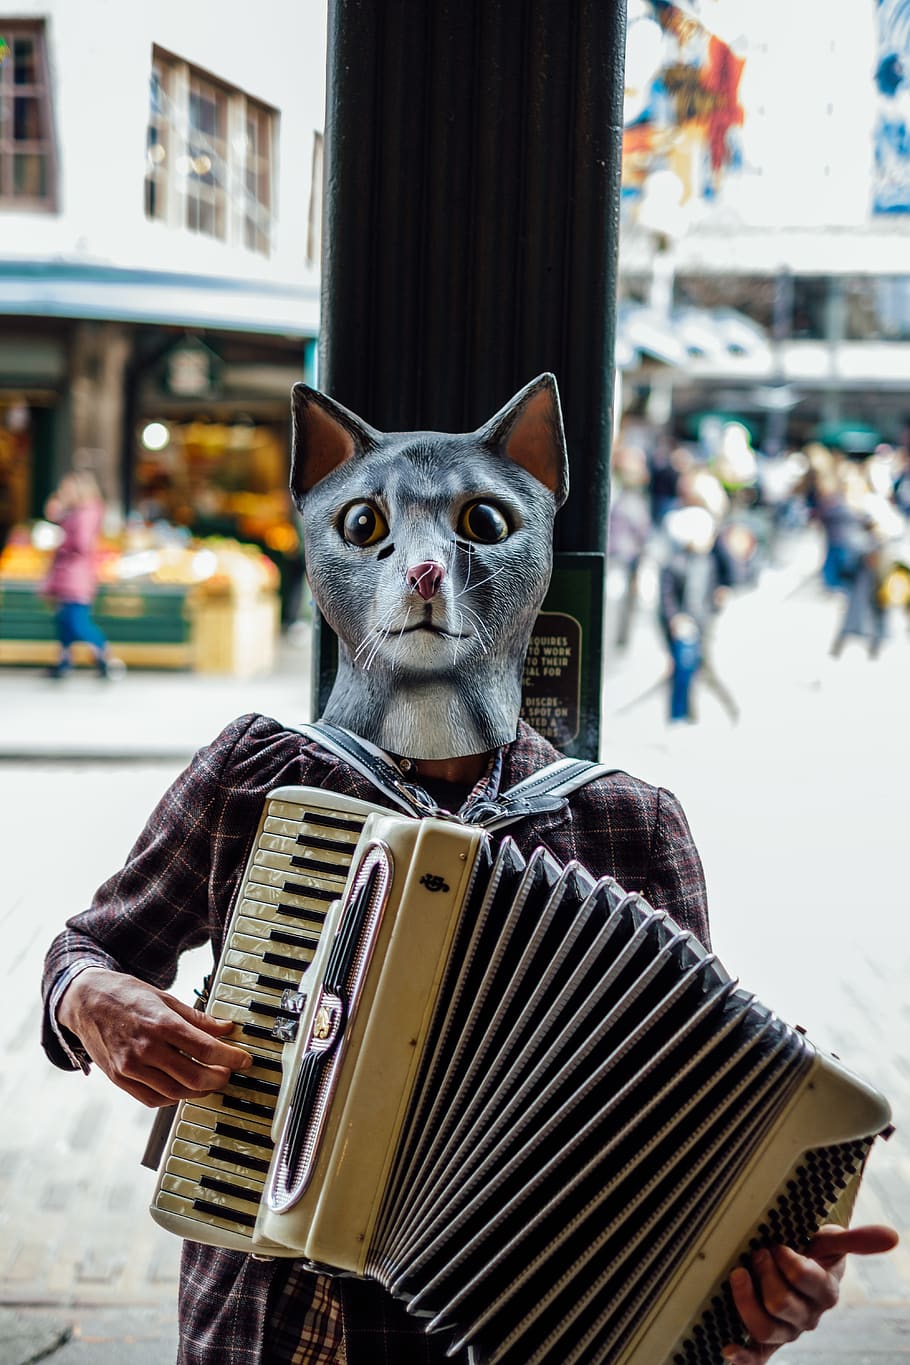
853, 438
718, 335
70, 290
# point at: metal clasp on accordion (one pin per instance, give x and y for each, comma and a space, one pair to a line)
334, 1003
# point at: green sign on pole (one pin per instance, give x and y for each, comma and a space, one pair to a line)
562, 669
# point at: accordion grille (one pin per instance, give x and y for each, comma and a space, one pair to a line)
812, 1191
592, 1088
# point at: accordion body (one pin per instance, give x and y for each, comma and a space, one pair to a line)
526, 1103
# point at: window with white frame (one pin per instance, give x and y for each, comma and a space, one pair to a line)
210, 156
27, 156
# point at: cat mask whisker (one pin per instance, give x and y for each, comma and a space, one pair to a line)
489, 578
378, 626
379, 638
482, 628
480, 631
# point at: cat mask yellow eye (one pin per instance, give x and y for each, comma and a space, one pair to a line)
364, 524
483, 522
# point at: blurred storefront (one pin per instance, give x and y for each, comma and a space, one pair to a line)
185, 419
159, 295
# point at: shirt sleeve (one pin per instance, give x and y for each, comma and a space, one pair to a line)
676, 878
156, 906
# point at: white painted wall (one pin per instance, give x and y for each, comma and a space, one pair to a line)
809, 101
99, 54
803, 197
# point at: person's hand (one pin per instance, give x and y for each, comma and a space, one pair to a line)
786, 1293
147, 1042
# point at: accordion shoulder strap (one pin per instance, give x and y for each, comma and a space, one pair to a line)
561, 778
544, 791
372, 764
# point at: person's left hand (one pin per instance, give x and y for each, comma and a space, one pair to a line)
786, 1293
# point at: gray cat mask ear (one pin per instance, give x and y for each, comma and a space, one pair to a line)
323, 436
529, 430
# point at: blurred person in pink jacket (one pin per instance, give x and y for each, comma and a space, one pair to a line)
78, 510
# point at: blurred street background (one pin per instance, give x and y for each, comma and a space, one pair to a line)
796, 806
756, 648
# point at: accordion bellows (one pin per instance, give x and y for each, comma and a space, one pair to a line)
525, 1102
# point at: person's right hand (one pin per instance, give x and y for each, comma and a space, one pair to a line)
147, 1042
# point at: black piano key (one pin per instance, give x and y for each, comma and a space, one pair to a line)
318, 865
304, 941
254, 1083
257, 1031
267, 1063
227, 1215
259, 1007
211, 1182
271, 983
313, 841
251, 1135
281, 960
252, 1163
262, 1111
332, 821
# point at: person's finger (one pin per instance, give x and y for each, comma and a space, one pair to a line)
748, 1295
815, 1284
184, 1033
201, 1022
178, 1076
748, 1355
150, 1096
790, 1292
170, 1058
830, 1243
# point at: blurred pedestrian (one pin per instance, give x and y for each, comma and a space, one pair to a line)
837, 492
629, 529
667, 463
902, 481
868, 597
78, 509
692, 584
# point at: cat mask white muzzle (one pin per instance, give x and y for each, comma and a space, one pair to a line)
429, 555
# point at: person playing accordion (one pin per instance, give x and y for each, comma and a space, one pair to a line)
429, 555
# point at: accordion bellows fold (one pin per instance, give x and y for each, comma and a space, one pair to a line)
526, 1103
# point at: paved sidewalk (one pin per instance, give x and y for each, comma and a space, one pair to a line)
143, 714
88, 1336
148, 1336
794, 848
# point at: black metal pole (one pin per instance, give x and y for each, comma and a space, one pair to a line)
472, 194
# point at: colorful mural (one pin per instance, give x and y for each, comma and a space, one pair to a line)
682, 110
891, 190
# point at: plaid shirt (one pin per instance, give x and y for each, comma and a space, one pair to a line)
176, 891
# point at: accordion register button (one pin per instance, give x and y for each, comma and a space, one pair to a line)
293, 1001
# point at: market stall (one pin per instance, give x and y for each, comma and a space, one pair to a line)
165, 600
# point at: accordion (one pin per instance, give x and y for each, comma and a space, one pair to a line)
525, 1102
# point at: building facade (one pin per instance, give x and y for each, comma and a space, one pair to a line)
766, 216
160, 208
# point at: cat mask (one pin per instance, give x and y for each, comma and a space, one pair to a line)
429, 555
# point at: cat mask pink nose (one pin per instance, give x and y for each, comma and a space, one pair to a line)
426, 578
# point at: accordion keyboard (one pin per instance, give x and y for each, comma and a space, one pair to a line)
217, 1159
